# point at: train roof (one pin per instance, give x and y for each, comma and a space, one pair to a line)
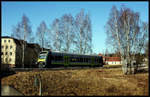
74, 53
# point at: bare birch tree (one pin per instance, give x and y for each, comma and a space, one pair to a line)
48, 39
83, 33
88, 36
147, 50
23, 31
57, 35
123, 29
67, 27
41, 30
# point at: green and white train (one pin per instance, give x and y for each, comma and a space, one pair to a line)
54, 59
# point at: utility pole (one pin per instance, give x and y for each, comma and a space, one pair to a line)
38, 82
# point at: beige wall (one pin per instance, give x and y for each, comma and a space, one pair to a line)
113, 62
8, 58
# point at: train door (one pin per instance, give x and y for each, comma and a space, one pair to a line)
66, 61
93, 61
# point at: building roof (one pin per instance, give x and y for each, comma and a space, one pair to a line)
32, 45
74, 53
6, 37
112, 58
19, 42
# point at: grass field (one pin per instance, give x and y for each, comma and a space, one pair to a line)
100, 82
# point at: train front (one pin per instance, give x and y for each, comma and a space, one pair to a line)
41, 62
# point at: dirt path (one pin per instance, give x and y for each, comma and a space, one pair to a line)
9, 91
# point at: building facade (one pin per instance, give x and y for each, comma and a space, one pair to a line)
111, 60
12, 52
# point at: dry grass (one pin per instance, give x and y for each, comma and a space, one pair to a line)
81, 82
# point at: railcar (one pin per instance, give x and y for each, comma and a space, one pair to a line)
55, 59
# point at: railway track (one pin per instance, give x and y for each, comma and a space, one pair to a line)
60, 68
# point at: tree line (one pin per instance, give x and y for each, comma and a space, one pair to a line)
67, 33
126, 33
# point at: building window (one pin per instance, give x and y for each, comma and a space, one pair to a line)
6, 53
6, 47
10, 60
4, 40
10, 53
2, 47
8, 40
1, 53
6, 59
10, 46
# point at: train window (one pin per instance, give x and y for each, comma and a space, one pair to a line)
81, 60
86, 59
78, 59
58, 58
52, 57
98, 60
73, 59
42, 56
95, 60
89, 60
55, 58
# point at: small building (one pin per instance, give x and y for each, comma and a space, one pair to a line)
12, 52
113, 60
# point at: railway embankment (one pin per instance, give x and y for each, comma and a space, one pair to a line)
79, 82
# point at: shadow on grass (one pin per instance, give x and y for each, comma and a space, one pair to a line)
142, 71
7, 72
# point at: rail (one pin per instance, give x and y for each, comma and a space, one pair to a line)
60, 68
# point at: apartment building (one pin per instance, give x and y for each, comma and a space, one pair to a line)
11, 52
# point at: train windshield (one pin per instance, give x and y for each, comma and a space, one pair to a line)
43, 56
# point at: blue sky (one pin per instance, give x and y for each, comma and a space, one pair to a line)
38, 11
